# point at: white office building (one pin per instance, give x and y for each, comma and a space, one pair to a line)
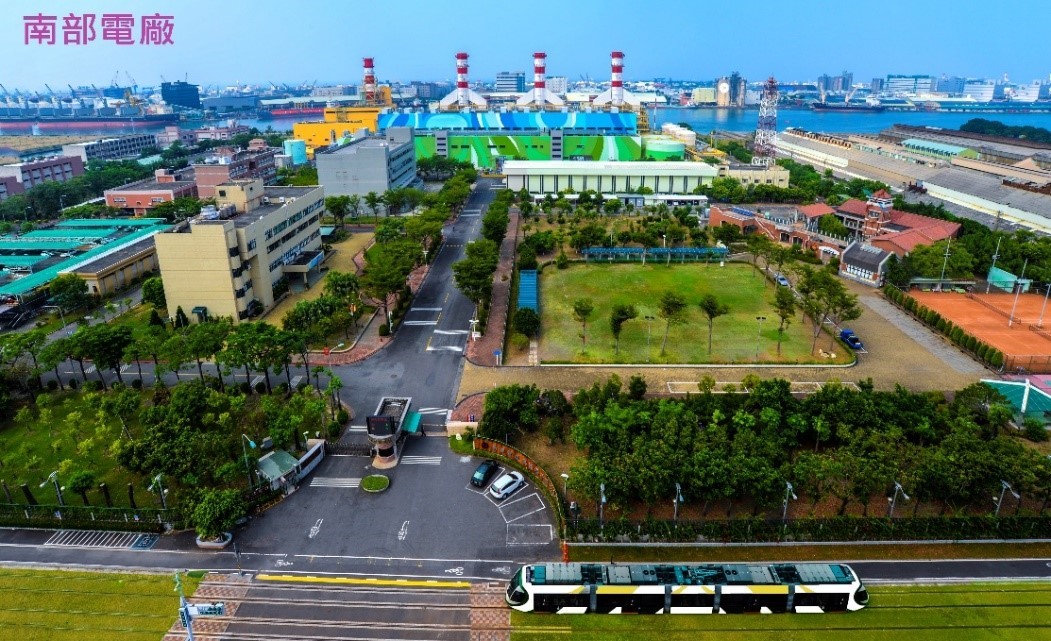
553, 176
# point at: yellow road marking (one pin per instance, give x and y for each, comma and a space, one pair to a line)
401, 583
543, 630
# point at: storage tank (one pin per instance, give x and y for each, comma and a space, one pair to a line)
662, 148
297, 149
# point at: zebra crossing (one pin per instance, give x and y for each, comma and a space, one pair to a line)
101, 539
421, 460
335, 481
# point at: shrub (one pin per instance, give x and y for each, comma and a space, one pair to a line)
52, 386
302, 386
526, 321
136, 383
941, 325
982, 350
246, 388
334, 428
527, 258
1035, 430
72, 383
260, 387
996, 358
519, 341
636, 387
282, 388
93, 386
342, 416
970, 342
562, 262
956, 334
217, 511
384, 330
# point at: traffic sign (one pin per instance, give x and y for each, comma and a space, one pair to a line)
496, 352
211, 609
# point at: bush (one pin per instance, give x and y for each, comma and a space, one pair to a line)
260, 387
384, 330
526, 321
941, 325
52, 386
334, 429
982, 351
519, 341
342, 416
996, 358
72, 383
302, 386
970, 341
217, 511
246, 388
526, 258
636, 387
1034, 430
562, 262
136, 383
93, 386
282, 388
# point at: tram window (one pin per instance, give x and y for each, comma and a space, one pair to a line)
555, 602
692, 600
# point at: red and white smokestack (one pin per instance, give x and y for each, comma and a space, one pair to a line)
616, 82
369, 83
539, 70
462, 90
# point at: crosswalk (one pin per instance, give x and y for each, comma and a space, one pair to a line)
357, 428
334, 481
421, 460
101, 539
432, 410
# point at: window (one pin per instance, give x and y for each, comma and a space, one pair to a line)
222, 193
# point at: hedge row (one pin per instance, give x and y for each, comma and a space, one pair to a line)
846, 528
983, 352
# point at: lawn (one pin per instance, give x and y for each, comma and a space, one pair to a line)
735, 335
1004, 612
41, 605
69, 436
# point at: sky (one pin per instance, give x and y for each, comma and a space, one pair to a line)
220, 42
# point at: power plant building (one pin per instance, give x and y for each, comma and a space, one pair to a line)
370, 164
554, 176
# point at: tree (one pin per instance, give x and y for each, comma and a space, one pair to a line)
621, 314
785, 307
582, 310
338, 207
712, 309
474, 274
205, 340
510, 408
153, 292
69, 291
372, 201
343, 286
526, 321
759, 246
672, 308
105, 345
80, 482
354, 205
216, 512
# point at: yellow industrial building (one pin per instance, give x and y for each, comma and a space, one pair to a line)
340, 122
226, 261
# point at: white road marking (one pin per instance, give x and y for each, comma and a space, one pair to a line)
257, 380
404, 531
421, 460
434, 322
334, 481
425, 309
445, 348
452, 332
357, 428
90, 369
296, 380
317, 528
432, 410
458, 571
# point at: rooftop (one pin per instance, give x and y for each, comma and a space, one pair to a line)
118, 255
352, 147
153, 185
278, 197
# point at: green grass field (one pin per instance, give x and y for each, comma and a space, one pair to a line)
1001, 612
734, 337
39, 605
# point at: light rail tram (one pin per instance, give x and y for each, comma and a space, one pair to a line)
615, 588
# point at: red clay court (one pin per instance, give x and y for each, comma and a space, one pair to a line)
985, 316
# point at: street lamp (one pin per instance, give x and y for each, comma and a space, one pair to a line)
53, 478
893, 500
251, 443
160, 490
1004, 487
649, 326
474, 328
758, 335
601, 505
565, 485
789, 492
60, 314
677, 501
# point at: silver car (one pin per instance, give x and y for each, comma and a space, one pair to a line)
507, 485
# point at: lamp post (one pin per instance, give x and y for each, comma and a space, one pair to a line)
996, 255
893, 500
28, 209
758, 335
945, 263
474, 327
565, 485
601, 506
1018, 292
789, 492
1040, 323
664, 237
61, 203
53, 478
677, 501
1004, 488
60, 313
245, 440
158, 483
649, 326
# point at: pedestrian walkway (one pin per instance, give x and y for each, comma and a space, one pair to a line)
483, 351
102, 539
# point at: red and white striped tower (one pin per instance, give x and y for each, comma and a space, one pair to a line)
462, 97
615, 95
616, 78
369, 82
539, 94
461, 79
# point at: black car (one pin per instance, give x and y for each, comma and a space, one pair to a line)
484, 472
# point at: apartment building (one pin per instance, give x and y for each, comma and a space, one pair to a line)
129, 146
227, 164
228, 261
31, 173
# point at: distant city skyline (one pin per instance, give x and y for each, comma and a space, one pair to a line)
260, 41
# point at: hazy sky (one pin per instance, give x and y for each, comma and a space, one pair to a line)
295, 41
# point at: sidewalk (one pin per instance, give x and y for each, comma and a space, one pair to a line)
481, 351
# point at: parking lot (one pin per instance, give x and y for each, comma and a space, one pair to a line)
430, 522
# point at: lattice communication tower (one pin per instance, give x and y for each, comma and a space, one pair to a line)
767, 129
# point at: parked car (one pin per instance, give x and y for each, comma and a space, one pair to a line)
782, 281
483, 473
507, 485
851, 339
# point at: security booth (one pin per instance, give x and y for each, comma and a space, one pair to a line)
280, 470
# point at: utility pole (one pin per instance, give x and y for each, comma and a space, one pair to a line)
1018, 292
945, 263
996, 255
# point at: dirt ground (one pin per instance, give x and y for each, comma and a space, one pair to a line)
26, 143
991, 326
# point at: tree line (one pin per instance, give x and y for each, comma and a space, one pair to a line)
474, 273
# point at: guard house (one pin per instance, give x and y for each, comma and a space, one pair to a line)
388, 426
280, 469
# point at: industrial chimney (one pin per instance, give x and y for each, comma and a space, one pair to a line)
369, 82
539, 95
615, 95
462, 96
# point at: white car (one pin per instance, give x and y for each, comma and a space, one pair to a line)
507, 485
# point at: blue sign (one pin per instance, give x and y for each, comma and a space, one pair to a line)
496, 352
